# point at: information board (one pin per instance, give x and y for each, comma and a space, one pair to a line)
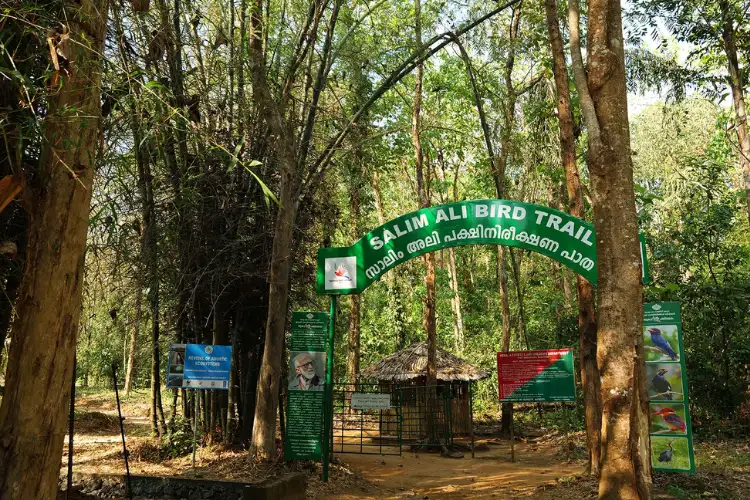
536, 376
671, 434
199, 366
306, 385
370, 401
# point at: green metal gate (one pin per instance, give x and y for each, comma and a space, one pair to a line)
373, 432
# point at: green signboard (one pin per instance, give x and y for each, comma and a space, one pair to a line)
536, 376
306, 386
560, 236
671, 435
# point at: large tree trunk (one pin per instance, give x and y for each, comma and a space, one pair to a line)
584, 289
37, 391
625, 464
738, 94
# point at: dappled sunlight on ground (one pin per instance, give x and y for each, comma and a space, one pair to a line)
491, 474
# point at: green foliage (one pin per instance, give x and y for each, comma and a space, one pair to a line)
178, 441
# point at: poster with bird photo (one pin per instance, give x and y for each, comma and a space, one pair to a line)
661, 343
668, 418
664, 381
670, 452
669, 413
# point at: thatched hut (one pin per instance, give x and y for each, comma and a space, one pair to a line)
447, 405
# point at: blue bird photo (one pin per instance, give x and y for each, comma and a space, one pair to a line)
661, 343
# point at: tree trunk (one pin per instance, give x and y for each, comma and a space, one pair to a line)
352, 358
133, 340
423, 193
584, 289
498, 166
264, 422
458, 325
626, 460
738, 96
40, 365
394, 287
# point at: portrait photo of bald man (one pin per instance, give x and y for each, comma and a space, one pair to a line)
307, 371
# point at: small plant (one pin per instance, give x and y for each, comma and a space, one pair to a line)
178, 441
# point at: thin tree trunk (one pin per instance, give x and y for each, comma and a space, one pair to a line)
394, 286
626, 459
264, 422
352, 358
584, 289
738, 95
134, 339
428, 318
515, 265
40, 364
498, 166
456, 302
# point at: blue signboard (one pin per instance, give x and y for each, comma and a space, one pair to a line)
199, 366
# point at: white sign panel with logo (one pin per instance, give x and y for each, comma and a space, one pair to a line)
341, 273
370, 401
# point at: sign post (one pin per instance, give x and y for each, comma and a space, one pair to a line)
535, 376
306, 386
558, 235
671, 434
194, 366
328, 427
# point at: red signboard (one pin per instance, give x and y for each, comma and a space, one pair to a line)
536, 376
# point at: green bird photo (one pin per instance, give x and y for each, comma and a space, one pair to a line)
668, 452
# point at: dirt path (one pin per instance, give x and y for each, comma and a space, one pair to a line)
490, 474
98, 450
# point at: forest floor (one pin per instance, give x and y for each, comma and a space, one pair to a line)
547, 467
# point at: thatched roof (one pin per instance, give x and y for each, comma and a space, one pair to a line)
411, 362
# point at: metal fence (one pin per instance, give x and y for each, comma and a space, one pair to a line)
373, 432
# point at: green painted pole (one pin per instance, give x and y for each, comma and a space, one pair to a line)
328, 400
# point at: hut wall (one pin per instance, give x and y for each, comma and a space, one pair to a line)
417, 416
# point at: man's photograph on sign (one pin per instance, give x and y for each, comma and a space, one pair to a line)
176, 365
307, 371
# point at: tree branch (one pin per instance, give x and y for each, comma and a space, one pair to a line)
424, 52
579, 74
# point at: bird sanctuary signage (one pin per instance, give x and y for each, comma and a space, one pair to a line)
536, 376
560, 236
306, 386
671, 435
199, 366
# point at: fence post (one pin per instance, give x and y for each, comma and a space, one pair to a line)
328, 399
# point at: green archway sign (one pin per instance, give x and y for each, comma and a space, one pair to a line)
560, 236
350, 270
